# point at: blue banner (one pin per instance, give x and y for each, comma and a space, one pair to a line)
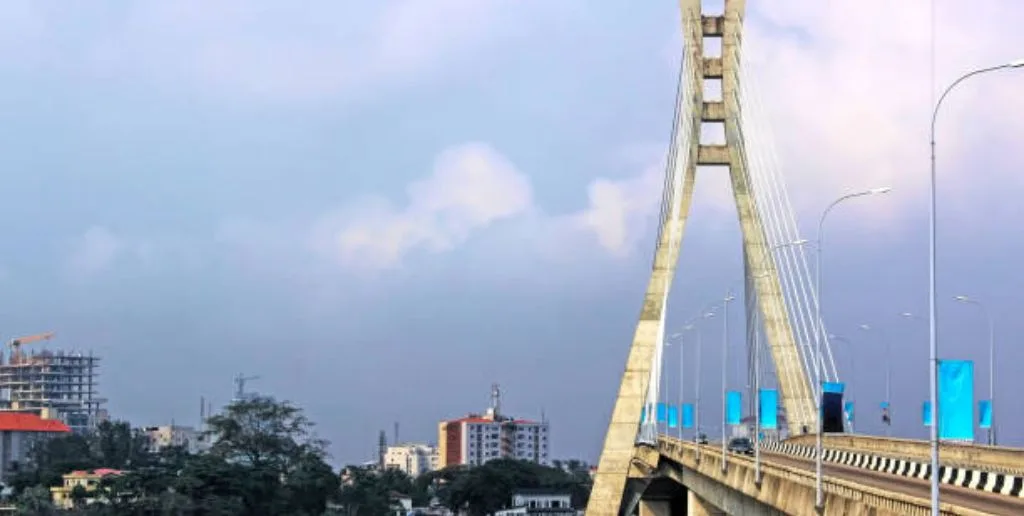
926, 413
733, 407
769, 409
848, 409
985, 413
956, 400
662, 413
673, 416
833, 387
687, 415
643, 414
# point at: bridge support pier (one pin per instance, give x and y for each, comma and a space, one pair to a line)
656, 508
697, 506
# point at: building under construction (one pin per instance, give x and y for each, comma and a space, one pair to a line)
52, 384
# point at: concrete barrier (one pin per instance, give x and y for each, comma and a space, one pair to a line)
787, 490
995, 459
988, 481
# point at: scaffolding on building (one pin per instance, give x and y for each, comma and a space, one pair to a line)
53, 384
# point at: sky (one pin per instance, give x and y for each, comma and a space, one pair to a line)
381, 210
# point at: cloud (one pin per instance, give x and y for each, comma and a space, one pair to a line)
618, 209
847, 91
93, 252
472, 187
267, 52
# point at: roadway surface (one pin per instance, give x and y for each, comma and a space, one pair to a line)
968, 498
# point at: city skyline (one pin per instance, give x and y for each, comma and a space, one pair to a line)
381, 218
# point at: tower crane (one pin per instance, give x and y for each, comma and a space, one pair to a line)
240, 385
15, 343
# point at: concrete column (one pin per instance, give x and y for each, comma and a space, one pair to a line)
696, 506
655, 508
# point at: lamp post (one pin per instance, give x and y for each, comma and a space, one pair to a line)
853, 364
725, 372
696, 408
888, 371
681, 347
819, 493
933, 345
991, 362
757, 364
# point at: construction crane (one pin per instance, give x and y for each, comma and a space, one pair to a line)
240, 385
15, 343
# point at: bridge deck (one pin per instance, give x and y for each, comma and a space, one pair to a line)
789, 484
959, 496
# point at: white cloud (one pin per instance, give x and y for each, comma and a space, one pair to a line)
618, 209
847, 89
270, 52
93, 252
472, 186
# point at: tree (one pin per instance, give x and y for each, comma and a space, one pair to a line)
35, 501
117, 446
283, 459
488, 488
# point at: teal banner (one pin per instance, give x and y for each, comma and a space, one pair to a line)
956, 400
769, 409
985, 413
687, 415
733, 407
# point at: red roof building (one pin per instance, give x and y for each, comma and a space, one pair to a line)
24, 422
478, 438
18, 431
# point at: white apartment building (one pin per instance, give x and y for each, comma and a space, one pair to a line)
412, 459
161, 437
476, 439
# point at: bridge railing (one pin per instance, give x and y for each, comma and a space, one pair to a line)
787, 489
998, 459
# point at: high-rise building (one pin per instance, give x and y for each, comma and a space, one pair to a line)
478, 438
412, 459
53, 384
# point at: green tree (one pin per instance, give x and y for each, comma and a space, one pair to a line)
488, 488
117, 446
283, 459
35, 501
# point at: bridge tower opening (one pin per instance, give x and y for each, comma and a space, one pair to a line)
709, 101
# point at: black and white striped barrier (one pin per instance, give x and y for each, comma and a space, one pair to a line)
1000, 483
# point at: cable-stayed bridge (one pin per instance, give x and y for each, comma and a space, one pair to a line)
812, 463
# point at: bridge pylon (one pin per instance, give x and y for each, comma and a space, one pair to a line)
619, 455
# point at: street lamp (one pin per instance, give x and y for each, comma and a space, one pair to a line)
696, 408
888, 371
819, 493
725, 372
681, 362
991, 362
933, 345
757, 363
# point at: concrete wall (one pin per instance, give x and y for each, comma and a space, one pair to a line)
989, 458
782, 490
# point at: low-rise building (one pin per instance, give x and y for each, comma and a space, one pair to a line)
63, 495
18, 433
161, 437
412, 459
540, 502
